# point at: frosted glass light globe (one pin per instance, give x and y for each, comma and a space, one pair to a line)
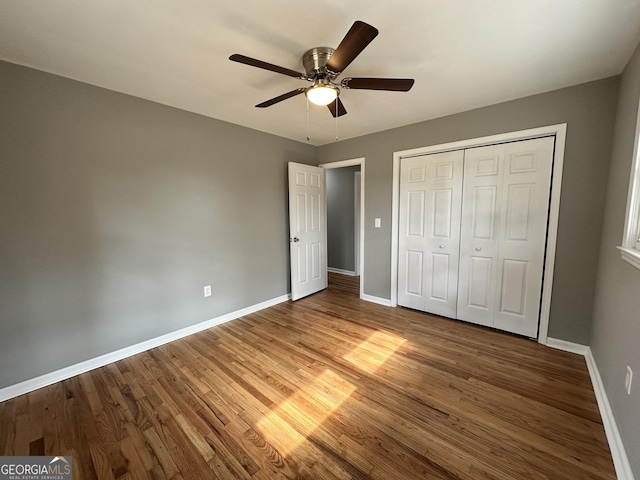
322, 95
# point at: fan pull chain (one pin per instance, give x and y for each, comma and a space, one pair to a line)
336, 119
308, 136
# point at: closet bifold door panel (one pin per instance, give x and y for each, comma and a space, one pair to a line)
429, 237
524, 220
472, 233
504, 226
483, 169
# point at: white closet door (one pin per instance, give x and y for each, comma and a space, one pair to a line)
523, 230
504, 225
431, 194
483, 169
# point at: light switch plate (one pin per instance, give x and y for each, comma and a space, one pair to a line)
377, 222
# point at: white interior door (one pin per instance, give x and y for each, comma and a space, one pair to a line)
430, 192
307, 229
504, 226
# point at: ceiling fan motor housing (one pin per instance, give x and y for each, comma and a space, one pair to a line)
315, 60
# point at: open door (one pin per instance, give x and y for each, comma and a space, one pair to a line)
307, 229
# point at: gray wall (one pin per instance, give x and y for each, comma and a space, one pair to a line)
615, 336
341, 218
115, 212
589, 110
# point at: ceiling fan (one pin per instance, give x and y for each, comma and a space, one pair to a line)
324, 64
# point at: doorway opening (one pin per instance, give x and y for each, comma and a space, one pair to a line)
345, 224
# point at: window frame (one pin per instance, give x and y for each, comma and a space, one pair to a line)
630, 248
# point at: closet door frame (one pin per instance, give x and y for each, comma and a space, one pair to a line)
560, 132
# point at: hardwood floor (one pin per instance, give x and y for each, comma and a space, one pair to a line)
326, 387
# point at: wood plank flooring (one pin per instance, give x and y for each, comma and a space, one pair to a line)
328, 387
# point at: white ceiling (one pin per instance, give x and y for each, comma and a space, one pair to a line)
463, 54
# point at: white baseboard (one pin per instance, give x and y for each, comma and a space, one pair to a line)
341, 272
618, 453
49, 378
378, 300
620, 459
567, 346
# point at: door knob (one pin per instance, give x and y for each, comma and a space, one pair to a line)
294, 239
441, 246
478, 249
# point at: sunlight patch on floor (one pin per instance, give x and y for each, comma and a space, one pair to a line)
316, 401
373, 352
321, 398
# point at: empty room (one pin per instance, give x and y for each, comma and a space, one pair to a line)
332, 240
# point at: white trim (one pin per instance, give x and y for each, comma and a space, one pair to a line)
27, 386
380, 301
630, 255
343, 163
395, 228
560, 132
351, 163
482, 141
357, 200
567, 346
618, 453
632, 217
341, 272
552, 233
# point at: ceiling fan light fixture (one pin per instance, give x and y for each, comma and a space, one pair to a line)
323, 66
322, 94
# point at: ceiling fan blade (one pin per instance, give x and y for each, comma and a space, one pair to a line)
341, 110
357, 38
280, 98
392, 84
266, 66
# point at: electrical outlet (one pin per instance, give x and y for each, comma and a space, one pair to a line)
207, 290
628, 379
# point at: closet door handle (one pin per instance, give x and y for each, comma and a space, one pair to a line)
441, 246
478, 249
